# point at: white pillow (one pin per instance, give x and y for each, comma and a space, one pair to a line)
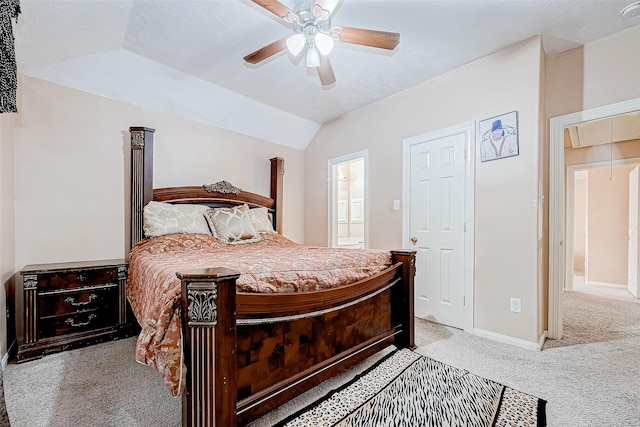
260, 219
232, 225
161, 218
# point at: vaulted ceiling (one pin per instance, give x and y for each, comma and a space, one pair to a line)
185, 56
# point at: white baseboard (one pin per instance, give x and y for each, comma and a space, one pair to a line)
529, 345
605, 284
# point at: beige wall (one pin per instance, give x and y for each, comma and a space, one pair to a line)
608, 223
72, 153
613, 60
7, 227
595, 75
506, 213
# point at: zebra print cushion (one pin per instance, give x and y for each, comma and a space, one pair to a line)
407, 389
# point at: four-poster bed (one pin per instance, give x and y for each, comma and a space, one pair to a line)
247, 353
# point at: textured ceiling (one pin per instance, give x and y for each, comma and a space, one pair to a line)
185, 56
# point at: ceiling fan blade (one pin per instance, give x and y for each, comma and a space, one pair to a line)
325, 71
266, 51
373, 38
273, 6
328, 5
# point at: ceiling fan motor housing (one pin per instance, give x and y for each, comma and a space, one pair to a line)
309, 18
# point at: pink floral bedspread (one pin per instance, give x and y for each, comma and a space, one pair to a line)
275, 264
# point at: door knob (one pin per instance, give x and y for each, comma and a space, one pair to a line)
414, 240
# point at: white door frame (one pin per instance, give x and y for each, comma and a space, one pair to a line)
364, 154
468, 129
557, 264
632, 261
570, 207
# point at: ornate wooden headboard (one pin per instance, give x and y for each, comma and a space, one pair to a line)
218, 194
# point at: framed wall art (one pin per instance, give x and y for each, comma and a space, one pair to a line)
499, 137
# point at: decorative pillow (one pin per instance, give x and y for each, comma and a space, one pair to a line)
261, 221
232, 225
161, 218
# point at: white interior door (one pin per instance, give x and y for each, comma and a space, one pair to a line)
633, 233
436, 228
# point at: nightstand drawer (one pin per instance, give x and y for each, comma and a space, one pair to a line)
81, 299
76, 322
77, 279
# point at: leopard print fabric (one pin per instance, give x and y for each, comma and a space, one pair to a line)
8, 71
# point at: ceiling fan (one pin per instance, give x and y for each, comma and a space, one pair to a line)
311, 21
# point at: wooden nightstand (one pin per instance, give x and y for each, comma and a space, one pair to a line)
69, 305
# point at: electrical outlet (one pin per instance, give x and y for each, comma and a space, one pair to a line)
516, 305
396, 205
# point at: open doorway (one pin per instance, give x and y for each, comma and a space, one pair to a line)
560, 130
597, 304
599, 218
348, 202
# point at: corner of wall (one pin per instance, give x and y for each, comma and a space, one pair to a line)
7, 234
543, 205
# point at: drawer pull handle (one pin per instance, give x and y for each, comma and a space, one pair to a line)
77, 325
73, 302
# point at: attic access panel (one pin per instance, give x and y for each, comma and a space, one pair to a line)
625, 127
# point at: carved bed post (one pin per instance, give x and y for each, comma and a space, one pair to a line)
403, 302
141, 178
277, 172
209, 324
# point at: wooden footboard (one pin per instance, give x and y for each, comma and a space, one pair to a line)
246, 354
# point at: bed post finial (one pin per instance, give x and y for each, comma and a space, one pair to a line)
141, 178
277, 173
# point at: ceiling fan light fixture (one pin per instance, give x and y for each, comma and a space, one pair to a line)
313, 57
296, 43
324, 43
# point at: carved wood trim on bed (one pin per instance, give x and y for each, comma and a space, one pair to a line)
198, 195
248, 353
210, 332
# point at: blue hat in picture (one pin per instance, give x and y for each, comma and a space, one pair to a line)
496, 125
